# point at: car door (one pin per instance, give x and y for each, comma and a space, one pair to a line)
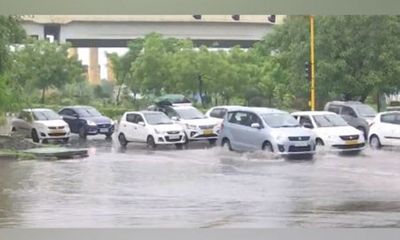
141, 128
253, 137
69, 116
130, 127
238, 130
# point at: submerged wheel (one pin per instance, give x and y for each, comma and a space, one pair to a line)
150, 142
374, 142
122, 140
226, 144
35, 136
267, 146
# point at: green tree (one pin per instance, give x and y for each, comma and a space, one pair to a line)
355, 55
42, 65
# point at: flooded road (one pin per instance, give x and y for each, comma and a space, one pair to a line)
200, 187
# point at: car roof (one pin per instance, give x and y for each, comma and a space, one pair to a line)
347, 103
259, 110
227, 106
182, 107
144, 111
37, 109
78, 106
313, 113
387, 112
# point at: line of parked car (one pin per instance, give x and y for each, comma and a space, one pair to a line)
342, 126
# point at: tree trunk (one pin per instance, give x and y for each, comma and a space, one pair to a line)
43, 95
118, 94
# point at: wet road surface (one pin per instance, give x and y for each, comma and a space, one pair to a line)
200, 187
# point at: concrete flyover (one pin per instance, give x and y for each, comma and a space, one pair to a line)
219, 31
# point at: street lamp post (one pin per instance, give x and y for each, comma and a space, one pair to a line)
312, 63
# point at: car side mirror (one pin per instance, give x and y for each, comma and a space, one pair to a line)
175, 119
141, 124
75, 115
255, 125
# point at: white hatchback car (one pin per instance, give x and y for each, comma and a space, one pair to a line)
153, 128
332, 130
41, 124
385, 130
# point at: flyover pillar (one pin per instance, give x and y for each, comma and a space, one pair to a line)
94, 67
73, 52
110, 70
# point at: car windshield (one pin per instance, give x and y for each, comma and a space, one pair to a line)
45, 115
157, 118
329, 120
279, 120
189, 113
88, 112
365, 110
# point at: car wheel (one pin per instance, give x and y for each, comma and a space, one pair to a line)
35, 136
122, 140
374, 142
45, 141
179, 145
226, 144
319, 142
108, 135
267, 146
212, 141
150, 142
82, 132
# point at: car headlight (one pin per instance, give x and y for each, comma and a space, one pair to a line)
91, 123
193, 127
279, 138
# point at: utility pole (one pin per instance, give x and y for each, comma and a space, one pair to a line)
312, 62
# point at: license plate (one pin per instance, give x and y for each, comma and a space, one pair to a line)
208, 132
57, 131
301, 144
104, 130
351, 142
174, 137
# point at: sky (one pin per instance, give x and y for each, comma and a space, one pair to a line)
83, 55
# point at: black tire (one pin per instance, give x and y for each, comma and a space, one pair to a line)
151, 143
319, 142
179, 145
82, 132
226, 142
35, 136
374, 142
45, 141
122, 140
108, 135
267, 146
212, 141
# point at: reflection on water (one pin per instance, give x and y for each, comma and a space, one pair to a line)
200, 187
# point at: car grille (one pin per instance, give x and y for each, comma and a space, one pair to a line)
300, 149
305, 138
350, 137
56, 134
54, 128
103, 125
350, 146
206, 126
173, 132
173, 140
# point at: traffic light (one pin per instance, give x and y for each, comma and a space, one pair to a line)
197, 17
236, 17
272, 18
307, 67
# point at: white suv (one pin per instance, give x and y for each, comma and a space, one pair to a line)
153, 128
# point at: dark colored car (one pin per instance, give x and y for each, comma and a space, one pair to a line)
86, 120
356, 114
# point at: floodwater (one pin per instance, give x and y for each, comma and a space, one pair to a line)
200, 187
